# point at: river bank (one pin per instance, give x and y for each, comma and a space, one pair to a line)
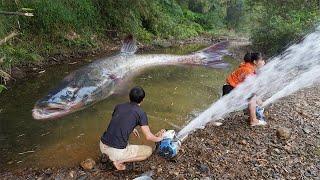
106, 48
287, 148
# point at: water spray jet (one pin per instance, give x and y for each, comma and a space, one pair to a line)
296, 68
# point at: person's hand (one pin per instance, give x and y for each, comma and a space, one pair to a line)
259, 102
136, 133
160, 133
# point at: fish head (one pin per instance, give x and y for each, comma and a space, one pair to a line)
63, 101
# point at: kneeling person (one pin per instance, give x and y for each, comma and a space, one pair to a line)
125, 117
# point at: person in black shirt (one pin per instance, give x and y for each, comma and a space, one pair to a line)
125, 117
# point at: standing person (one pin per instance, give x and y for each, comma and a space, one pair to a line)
252, 62
125, 117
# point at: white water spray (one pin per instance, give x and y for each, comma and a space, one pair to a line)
298, 67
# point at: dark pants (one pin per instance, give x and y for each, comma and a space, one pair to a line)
226, 89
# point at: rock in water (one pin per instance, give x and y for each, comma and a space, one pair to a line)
88, 164
283, 133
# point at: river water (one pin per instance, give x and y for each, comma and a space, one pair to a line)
174, 96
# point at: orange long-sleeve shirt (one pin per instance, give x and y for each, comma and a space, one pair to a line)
240, 74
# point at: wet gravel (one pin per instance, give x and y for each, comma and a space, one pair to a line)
231, 151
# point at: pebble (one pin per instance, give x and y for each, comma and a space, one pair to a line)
306, 130
88, 164
243, 142
277, 150
48, 172
72, 174
180, 177
283, 133
203, 168
83, 177
40, 178
10, 162
206, 178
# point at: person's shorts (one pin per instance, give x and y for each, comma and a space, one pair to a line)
226, 89
131, 151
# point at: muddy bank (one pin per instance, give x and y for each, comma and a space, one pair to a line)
287, 148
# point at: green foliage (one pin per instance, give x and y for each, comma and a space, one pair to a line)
58, 16
281, 23
148, 19
14, 55
212, 20
2, 87
234, 14
200, 6
82, 24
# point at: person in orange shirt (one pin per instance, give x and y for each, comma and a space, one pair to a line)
252, 62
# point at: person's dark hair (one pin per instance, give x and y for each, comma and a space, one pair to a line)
247, 57
256, 56
136, 94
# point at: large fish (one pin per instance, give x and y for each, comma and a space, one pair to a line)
103, 77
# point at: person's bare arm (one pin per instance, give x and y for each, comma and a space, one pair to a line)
259, 101
149, 136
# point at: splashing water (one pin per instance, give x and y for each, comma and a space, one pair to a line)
298, 67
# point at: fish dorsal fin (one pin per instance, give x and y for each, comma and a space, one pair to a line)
212, 55
216, 48
129, 46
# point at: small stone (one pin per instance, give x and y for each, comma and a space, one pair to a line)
88, 164
159, 170
180, 177
104, 158
243, 142
72, 174
83, 177
40, 178
205, 178
10, 162
306, 130
48, 172
277, 150
287, 148
257, 142
216, 123
203, 168
283, 133
153, 167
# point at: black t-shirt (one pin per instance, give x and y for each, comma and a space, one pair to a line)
125, 118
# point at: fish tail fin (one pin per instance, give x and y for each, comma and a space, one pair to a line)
129, 46
212, 55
